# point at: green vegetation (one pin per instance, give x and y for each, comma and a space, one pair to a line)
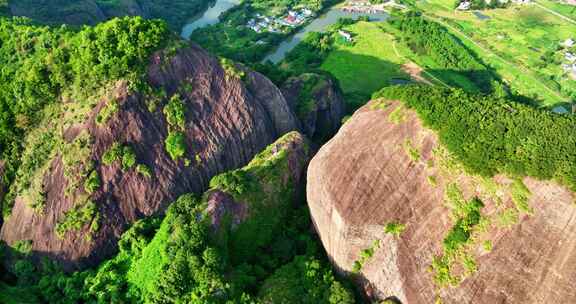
466, 215
521, 44
310, 84
489, 135
231, 70
481, 4
176, 13
365, 255
175, 114
113, 154
175, 145
144, 170
106, 112
397, 115
487, 245
231, 38
304, 280
267, 256
412, 151
460, 66
128, 158
79, 216
40, 65
92, 183
23, 247
368, 64
432, 180
123, 153
394, 228
520, 195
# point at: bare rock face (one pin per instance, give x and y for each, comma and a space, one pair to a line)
318, 103
227, 121
383, 167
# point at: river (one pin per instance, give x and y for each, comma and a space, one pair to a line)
209, 17
317, 25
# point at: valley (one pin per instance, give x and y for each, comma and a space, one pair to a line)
291, 151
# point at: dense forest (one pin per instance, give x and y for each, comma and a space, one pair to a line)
71, 12
431, 39
490, 135
183, 258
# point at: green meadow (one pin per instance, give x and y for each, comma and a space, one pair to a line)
369, 63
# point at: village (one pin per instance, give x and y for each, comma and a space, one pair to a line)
292, 19
569, 66
297, 17
467, 5
365, 7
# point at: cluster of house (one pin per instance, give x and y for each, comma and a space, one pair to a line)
466, 4
294, 18
365, 7
569, 66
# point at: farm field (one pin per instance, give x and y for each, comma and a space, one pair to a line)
372, 53
566, 10
521, 43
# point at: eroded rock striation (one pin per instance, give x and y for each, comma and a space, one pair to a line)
114, 167
397, 212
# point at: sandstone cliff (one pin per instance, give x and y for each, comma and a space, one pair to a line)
317, 102
389, 202
228, 118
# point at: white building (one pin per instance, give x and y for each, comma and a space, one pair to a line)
345, 34
570, 57
464, 6
569, 43
307, 12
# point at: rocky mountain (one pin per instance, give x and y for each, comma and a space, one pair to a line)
399, 213
176, 13
317, 102
139, 150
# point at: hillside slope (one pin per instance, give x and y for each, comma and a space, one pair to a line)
398, 211
135, 152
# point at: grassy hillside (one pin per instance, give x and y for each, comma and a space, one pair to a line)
367, 64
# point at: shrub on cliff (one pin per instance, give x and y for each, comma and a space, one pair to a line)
42, 64
491, 135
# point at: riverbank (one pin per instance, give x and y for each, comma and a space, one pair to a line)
249, 31
208, 17
319, 24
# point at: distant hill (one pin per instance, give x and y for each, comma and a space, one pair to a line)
93, 11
